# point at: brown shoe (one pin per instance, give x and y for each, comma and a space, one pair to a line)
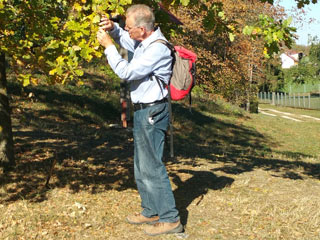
164, 228
138, 218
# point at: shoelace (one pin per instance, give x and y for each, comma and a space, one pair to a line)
158, 224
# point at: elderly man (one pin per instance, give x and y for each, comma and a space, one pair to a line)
151, 116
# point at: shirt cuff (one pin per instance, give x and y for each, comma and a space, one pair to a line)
110, 50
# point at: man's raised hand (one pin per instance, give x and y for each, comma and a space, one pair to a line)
106, 24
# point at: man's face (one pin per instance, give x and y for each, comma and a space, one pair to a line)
135, 33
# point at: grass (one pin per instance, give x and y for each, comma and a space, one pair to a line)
299, 139
235, 176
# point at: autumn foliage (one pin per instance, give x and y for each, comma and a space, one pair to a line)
225, 55
54, 38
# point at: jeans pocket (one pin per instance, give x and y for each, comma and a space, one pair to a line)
158, 113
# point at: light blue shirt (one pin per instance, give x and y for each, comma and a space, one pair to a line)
147, 59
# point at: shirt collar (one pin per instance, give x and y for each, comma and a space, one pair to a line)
154, 36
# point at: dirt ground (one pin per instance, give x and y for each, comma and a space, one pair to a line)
227, 183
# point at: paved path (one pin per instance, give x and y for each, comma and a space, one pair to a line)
286, 115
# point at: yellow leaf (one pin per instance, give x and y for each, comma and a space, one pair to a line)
77, 7
79, 72
53, 71
231, 27
26, 82
34, 81
8, 33
41, 58
76, 48
20, 63
265, 50
96, 19
98, 54
60, 59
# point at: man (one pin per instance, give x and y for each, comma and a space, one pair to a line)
151, 116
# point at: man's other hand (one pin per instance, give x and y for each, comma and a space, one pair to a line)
103, 38
106, 24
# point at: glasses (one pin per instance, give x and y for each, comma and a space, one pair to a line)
129, 28
126, 27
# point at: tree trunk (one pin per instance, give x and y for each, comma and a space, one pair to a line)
7, 160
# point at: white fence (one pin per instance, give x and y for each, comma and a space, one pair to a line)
298, 100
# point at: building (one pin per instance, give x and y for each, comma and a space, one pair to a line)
290, 58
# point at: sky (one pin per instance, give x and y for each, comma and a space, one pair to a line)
305, 28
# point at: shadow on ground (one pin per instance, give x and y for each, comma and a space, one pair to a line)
65, 133
195, 188
239, 148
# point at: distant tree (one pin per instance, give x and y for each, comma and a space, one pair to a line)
308, 69
273, 79
314, 51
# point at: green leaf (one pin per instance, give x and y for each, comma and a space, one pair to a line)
247, 30
53, 44
79, 72
184, 2
26, 57
287, 22
221, 15
231, 37
25, 79
96, 19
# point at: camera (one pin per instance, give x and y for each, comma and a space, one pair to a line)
117, 18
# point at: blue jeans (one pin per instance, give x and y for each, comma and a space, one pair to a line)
150, 126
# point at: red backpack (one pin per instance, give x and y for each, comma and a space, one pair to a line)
183, 71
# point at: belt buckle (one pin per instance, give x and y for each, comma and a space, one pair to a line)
141, 106
138, 106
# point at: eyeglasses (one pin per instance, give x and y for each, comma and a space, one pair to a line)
129, 28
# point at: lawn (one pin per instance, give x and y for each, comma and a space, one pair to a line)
235, 175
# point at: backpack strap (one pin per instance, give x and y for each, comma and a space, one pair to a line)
169, 45
173, 59
169, 96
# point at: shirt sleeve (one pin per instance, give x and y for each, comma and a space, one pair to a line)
154, 57
122, 37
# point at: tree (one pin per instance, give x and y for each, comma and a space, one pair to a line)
6, 140
308, 69
229, 61
47, 37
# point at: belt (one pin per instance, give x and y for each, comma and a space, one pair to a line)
139, 106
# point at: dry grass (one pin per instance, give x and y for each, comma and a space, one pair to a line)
235, 177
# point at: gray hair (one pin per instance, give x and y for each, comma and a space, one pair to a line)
143, 16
